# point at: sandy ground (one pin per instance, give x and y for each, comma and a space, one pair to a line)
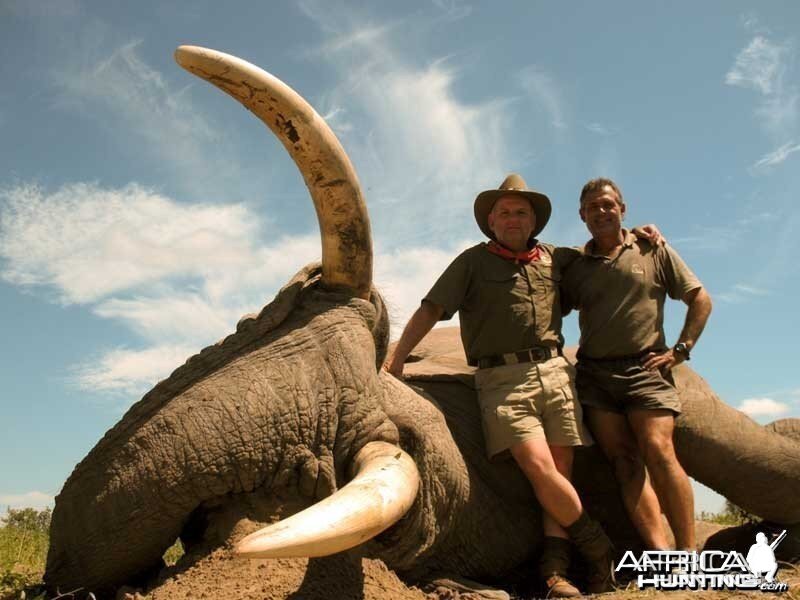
218, 576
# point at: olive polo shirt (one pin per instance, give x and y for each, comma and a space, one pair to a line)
621, 299
503, 306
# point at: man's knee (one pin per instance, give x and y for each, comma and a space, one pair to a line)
536, 462
563, 457
624, 455
628, 467
659, 452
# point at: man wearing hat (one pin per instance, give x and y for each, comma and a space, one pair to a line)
507, 294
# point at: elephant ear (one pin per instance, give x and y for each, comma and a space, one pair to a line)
440, 357
789, 428
250, 330
274, 313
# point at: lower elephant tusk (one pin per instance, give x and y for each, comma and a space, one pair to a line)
383, 489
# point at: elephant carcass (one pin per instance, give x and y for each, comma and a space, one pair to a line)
756, 467
286, 405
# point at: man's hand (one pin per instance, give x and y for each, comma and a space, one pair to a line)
393, 366
662, 362
421, 322
651, 233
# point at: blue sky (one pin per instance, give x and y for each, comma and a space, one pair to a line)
142, 211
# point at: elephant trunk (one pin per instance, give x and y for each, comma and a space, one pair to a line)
753, 467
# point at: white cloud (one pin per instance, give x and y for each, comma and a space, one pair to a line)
762, 66
545, 90
170, 317
336, 118
39, 8
365, 35
138, 102
716, 238
130, 372
599, 129
404, 276
757, 66
89, 242
177, 276
749, 289
408, 133
763, 407
741, 292
37, 500
777, 156
453, 9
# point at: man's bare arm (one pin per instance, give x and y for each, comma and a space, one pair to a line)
699, 303
418, 326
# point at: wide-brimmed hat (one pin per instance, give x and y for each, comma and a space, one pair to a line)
512, 185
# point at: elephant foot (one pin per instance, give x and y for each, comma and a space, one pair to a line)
460, 588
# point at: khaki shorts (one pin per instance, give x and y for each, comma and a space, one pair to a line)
530, 400
623, 385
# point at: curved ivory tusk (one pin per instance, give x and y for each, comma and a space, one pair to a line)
382, 491
331, 179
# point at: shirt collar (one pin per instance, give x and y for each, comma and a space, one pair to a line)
628, 240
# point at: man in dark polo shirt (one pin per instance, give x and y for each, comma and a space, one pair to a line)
619, 284
507, 295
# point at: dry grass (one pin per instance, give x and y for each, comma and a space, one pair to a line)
24, 541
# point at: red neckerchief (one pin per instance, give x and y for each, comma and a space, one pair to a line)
518, 257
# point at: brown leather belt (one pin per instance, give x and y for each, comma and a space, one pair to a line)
535, 354
619, 361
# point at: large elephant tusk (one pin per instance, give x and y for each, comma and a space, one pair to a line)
328, 173
382, 491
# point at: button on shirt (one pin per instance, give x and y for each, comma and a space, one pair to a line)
503, 306
621, 299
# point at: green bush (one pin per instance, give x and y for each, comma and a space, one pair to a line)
731, 516
24, 537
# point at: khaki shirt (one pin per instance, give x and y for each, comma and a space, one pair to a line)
503, 306
621, 300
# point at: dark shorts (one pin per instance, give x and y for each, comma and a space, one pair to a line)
624, 385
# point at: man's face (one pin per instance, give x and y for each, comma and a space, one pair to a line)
512, 221
602, 212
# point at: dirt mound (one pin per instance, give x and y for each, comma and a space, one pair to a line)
219, 576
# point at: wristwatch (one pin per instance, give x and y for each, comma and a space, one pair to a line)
682, 349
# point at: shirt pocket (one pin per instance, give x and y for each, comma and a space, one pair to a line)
502, 281
548, 278
507, 288
547, 297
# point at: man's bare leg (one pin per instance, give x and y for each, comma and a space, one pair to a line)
556, 548
562, 458
554, 491
653, 430
558, 497
615, 438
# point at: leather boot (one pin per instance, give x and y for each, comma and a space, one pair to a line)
553, 566
595, 546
